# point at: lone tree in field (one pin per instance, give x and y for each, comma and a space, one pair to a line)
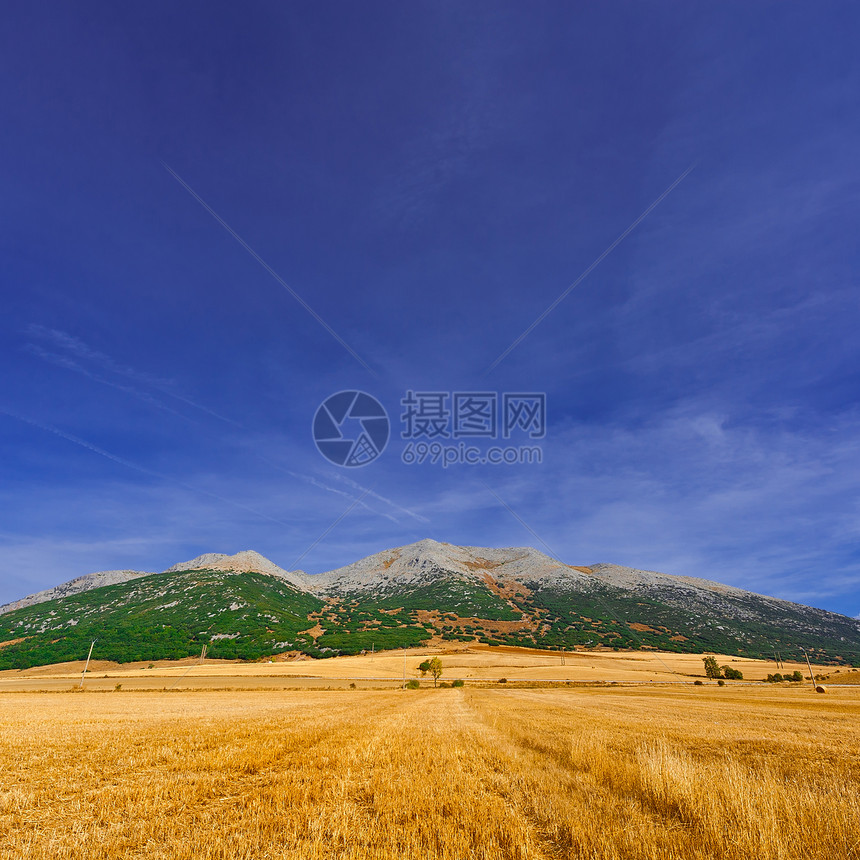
712, 669
434, 667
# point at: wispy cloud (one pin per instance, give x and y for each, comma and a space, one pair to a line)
75, 346
31, 564
76, 355
355, 486
128, 464
408, 512
70, 364
694, 491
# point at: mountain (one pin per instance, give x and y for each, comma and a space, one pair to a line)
245, 606
421, 564
75, 586
246, 561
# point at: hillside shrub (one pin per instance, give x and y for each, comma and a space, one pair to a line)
412, 684
457, 683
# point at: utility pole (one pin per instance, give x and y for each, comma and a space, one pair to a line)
87, 666
811, 674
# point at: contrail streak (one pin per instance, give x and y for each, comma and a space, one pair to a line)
590, 269
269, 269
326, 532
82, 443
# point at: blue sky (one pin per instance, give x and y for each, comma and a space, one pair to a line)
429, 178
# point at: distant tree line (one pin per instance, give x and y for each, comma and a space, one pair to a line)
794, 676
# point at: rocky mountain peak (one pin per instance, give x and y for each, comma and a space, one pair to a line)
426, 560
75, 586
246, 561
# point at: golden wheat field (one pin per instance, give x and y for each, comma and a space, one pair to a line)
471, 662
447, 773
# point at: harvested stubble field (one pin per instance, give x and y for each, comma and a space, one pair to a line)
471, 662
448, 773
